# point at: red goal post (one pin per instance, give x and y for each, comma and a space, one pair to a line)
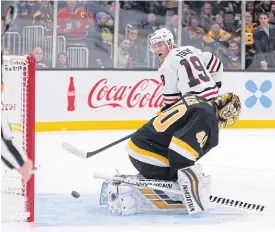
18, 105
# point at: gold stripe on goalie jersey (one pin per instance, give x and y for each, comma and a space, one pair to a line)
160, 203
183, 149
146, 156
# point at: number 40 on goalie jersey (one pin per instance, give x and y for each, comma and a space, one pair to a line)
188, 129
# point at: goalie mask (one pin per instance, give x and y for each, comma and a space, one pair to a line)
229, 109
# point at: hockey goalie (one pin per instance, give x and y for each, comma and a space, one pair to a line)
164, 151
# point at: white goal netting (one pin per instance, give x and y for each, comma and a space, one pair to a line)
18, 105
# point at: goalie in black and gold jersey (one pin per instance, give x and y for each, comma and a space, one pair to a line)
167, 147
181, 135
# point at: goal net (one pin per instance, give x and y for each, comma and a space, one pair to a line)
18, 105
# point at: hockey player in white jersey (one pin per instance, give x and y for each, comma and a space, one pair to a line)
185, 69
10, 154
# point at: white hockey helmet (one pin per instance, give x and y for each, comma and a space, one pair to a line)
162, 34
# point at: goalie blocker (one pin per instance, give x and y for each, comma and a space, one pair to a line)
167, 147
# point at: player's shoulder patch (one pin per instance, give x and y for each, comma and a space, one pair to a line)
191, 100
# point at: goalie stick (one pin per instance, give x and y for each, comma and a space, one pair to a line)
166, 186
84, 154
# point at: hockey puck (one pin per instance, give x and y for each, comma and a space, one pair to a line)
75, 194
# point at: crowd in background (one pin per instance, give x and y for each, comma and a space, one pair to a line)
87, 38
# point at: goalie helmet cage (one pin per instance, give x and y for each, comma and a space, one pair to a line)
18, 102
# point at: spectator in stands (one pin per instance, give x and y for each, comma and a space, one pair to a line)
101, 54
123, 59
173, 26
138, 47
73, 23
62, 60
231, 59
186, 14
112, 8
195, 6
206, 17
193, 34
265, 7
264, 37
250, 27
26, 10
257, 5
225, 6
219, 20
105, 25
154, 7
44, 17
231, 21
150, 25
39, 59
250, 7
225, 20
88, 7
236, 12
216, 39
171, 8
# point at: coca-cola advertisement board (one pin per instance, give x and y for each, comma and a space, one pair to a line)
128, 96
98, 95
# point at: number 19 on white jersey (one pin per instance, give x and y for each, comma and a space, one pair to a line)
189, 70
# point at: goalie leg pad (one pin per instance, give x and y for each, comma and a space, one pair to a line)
195, 188
123, 199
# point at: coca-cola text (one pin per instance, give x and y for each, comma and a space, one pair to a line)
137, 95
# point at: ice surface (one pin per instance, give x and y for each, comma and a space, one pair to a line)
242, 167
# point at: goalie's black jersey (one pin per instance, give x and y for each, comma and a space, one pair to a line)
178, 136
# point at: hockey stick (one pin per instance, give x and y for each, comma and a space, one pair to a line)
168, 186
84, 154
